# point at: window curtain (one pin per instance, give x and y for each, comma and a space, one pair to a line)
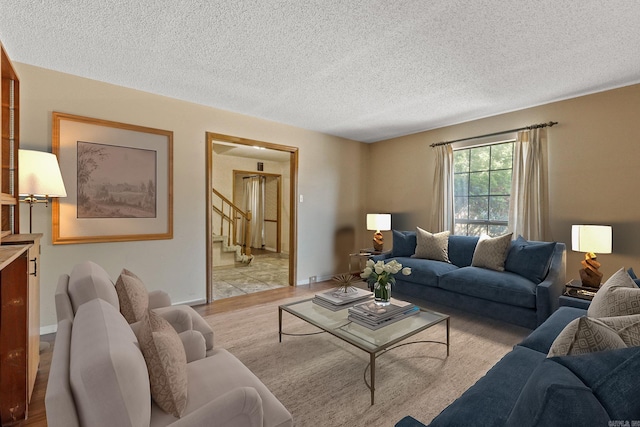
442, 208
529, 193
254, 194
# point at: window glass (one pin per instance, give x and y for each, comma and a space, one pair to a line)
482, 187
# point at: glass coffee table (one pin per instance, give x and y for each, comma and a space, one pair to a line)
371, 341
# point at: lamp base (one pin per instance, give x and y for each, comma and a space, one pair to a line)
589, 275
378, 241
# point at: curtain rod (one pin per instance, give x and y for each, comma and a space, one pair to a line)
537, 126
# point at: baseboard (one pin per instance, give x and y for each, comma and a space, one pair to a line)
49, 329
199, 301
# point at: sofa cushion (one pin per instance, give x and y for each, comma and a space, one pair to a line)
504, 287
425, 272
491, 252
612, 377
461, 249
132, 295
544, 335
585, 335
214, 376
555, 396
89, 281
432, 246
494, 395
404, 243
108, 374
529, 259
619, 296
166, 362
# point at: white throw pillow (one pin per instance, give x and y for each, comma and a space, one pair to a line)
432, 246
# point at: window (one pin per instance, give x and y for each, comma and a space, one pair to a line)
482, 187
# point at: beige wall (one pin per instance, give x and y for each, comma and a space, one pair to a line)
593, 170
330, 178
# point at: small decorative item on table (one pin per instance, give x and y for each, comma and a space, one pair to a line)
380, 277
576, 289
345, 281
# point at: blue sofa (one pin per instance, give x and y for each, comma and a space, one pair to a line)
525, 388
525, 294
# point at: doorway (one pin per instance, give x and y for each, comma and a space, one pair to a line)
227, 158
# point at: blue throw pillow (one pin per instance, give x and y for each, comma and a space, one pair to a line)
555, 396
530, 259
404, 243
461, 249
632, 274
613, 377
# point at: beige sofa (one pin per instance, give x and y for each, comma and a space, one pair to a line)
89, 280
98, 377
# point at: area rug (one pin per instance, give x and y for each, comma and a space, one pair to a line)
320, 379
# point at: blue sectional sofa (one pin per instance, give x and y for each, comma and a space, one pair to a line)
525, 294
525, 388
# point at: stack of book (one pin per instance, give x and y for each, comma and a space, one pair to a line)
375, 317
337, 299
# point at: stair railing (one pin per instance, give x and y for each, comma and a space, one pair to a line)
233, 219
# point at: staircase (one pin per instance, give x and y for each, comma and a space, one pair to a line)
227, 218
225, 255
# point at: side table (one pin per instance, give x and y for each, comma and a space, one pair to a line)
363, 255
576, 295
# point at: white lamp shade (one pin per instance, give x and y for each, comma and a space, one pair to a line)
591, 238
379, 222
39, 174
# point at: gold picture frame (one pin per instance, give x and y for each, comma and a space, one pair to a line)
119, 181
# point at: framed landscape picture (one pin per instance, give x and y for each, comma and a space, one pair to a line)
119, 181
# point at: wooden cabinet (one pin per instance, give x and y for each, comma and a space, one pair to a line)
10, 130
19, 267
33, 313
15, 347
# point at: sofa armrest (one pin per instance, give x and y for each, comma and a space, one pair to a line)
194, 346
548, 292
159, 299
241, 407
382, 257
59, 404
179, 319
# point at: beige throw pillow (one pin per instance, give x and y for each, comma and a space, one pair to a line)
132, 295
432, 246
166, 362
585, 335
619, 296
627, 327
491, 252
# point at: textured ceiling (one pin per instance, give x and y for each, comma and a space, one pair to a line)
364, 70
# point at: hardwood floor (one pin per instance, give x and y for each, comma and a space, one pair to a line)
37, 413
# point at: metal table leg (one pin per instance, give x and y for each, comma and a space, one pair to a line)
372, 358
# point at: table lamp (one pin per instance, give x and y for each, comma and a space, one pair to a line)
39, 178
591, 239
378, 222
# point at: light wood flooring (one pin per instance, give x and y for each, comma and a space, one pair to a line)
37, 414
